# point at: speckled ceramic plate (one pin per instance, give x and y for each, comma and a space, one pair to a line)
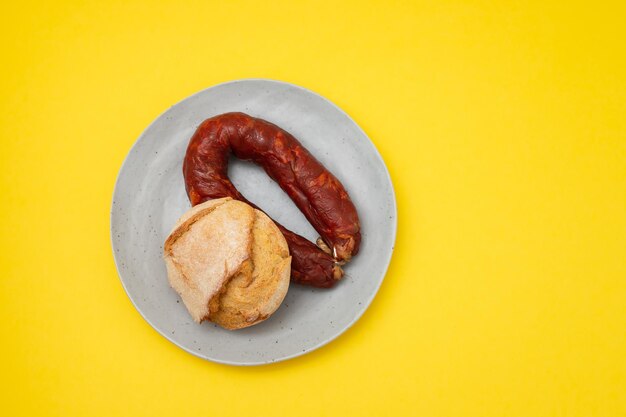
150, 195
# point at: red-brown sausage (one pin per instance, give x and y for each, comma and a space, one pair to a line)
316, 192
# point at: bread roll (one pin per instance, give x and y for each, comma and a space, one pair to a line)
229, 263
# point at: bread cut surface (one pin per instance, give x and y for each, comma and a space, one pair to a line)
229, 263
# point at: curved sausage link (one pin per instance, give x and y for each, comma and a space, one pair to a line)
317, 193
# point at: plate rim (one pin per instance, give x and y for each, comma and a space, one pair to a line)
359, 313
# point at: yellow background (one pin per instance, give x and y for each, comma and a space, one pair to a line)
503, 125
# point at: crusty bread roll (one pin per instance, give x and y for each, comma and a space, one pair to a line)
229, 263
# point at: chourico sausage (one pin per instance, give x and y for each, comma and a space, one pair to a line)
317, 193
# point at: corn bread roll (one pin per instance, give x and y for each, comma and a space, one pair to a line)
229, 263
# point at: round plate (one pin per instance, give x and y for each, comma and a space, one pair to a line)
150, 195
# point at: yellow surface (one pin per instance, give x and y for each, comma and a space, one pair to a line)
503, 125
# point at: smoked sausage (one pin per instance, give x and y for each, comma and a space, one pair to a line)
315, 191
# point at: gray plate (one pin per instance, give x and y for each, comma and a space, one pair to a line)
150, 195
